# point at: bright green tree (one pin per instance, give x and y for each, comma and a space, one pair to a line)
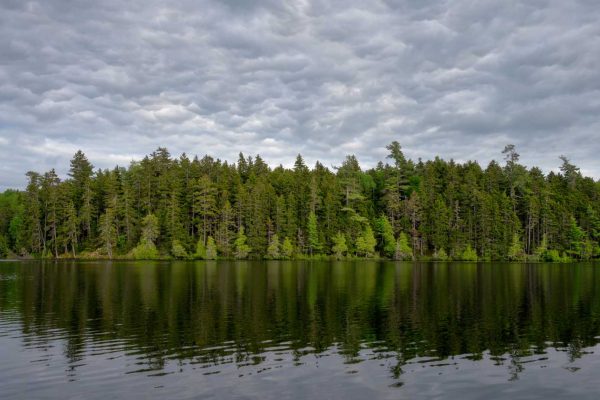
402, 250
365, 244
287, 248
516, 252
211, 249
146, 249
386, 233
273, 249
177, 250
469, 254
200, 250
241, 248
339, 246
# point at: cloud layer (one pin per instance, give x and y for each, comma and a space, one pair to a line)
459, 79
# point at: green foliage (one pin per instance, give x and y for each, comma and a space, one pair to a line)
402, 250
516, 252
541, 250
273, 252
440, 255
577, 240
146, 250
241, 248
313, 234
211, 249
150, 228
469, 254
4, 249
178, 251
386, 233
365, 244
439, 204
339, 247
200, 252
108, 233
554, 256
287, 248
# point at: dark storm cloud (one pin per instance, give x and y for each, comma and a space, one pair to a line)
456, 78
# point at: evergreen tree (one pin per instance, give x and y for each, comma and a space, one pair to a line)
577, 239
402, 250
146, 249
468, 254
69, 229
500, 212
211, 249
81, 172
339, 246
516, 252
313, 234
365, 244
241, 248
273, 249
177, 250
386, 233
200, 250
287, 249
4, 249
108, 234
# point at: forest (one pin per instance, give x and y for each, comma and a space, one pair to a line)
164, 207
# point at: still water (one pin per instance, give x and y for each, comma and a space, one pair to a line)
298, 330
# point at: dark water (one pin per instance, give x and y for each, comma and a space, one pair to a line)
278, 330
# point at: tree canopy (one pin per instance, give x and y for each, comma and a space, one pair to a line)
164, 206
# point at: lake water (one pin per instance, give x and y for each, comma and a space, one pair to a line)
299, 330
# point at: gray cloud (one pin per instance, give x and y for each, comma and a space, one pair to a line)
460, 79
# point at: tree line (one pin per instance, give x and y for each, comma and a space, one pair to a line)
206, 208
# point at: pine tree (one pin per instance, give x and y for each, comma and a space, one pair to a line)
200, 250
339, 246
204, 205
34, 237
506, 212
542, 249
70, 227
146, 249
403, 251
468, 254
50, 184
211, 249
108, 231
287, 249
365, 244
313, 234
241, 248
386, 233
273, 249
516, 252
81, 172
177, 250
577, 238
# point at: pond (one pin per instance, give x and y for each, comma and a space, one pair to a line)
298, 330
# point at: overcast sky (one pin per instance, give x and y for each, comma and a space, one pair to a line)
455, 78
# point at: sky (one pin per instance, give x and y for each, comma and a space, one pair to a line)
455, 78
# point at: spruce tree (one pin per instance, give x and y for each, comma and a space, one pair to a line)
287, 249
211, 249
313, 234
339, 246
273, 250
241, 248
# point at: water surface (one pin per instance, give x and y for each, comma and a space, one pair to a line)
295, 330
